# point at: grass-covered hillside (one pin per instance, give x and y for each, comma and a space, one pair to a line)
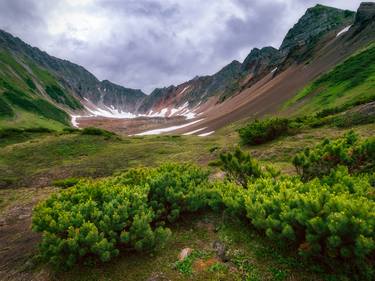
31, 96
350, 81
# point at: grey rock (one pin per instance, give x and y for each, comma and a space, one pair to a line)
365, 13
220, 250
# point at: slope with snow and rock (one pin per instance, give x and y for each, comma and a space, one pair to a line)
321, 39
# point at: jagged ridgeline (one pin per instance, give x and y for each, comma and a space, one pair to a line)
37, 89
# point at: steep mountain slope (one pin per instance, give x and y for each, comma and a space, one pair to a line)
297, 46
32, 83
268, 94
37, 85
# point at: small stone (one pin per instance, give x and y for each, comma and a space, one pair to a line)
220, 250
184, 253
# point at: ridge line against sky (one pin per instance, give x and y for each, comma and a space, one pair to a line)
145, 44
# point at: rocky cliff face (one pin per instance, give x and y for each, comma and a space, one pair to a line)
365, 13
316, 22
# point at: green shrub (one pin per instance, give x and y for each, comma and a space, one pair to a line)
98, 218
5, 109
227, 196
174, 189
65, 183
10, 132
358, 156
38, 130
59, 96
331, 219
71, 130
30, 83
240, 167
263, 131
351, 119
95, 219
36, 105
96, 132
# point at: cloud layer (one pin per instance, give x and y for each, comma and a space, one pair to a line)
153, 43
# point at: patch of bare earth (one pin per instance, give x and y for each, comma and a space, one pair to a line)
18, 244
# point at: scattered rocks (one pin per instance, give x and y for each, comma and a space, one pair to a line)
184, 253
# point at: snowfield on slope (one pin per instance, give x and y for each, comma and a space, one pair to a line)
168, 129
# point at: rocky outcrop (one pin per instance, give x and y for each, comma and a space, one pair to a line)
314, 24
260, 59
365, 13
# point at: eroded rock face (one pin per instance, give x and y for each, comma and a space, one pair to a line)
260, 59
315, 23
365, 13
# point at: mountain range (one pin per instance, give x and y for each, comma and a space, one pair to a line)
37, 89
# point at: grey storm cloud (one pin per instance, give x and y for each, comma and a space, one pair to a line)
153, 43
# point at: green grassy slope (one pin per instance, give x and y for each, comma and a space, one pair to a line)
31, 96
347, 83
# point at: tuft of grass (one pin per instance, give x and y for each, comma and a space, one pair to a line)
186, 265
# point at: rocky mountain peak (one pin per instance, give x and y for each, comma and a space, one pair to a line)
260, 57
365, 13
316, 22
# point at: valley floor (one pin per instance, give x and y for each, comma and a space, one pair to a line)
28, 164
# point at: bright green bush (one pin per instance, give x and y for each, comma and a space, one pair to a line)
95, 219
173, 189
240, 167
227, 196
262, 131
332, 219
358, 156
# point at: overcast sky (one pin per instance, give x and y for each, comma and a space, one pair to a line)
153, 43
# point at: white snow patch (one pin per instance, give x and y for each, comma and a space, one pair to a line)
184, 90
110, 113
74, 120
343, 31
183, 110
168, 129
206, 134
195, 131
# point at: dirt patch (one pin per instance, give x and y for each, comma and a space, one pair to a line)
201, 265
18, 244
